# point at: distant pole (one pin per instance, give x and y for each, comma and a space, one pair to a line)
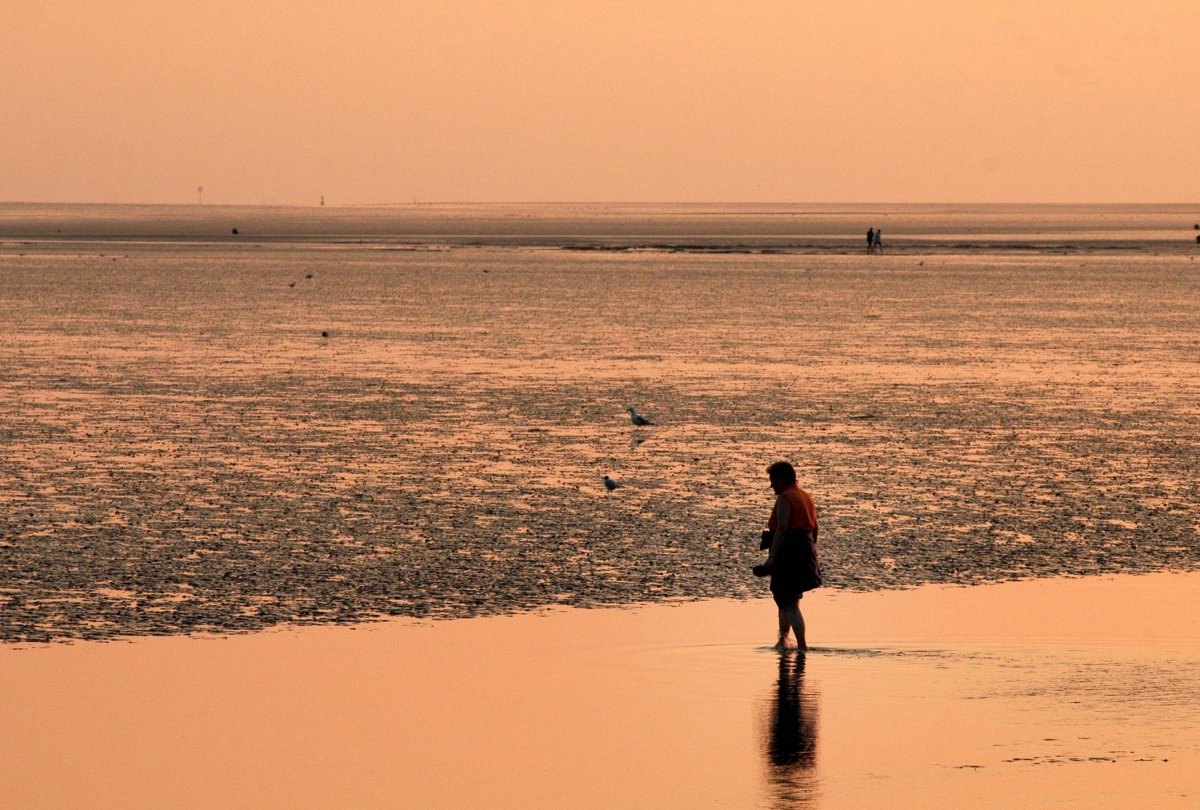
200, 195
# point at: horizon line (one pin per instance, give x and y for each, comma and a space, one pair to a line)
498, 203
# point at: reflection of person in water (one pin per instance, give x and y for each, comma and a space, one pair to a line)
791, 738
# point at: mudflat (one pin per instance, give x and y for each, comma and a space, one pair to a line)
228, 434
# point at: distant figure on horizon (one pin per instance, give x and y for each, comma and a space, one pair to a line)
877, 244
870, 240
792, 563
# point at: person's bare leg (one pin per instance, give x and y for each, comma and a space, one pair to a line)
785, 622
796, 619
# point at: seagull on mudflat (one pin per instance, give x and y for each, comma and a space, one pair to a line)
610, 484
637, 419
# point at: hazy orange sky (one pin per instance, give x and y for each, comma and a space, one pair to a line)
535, 100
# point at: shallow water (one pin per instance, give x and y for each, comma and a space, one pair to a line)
181, 449
1047, 693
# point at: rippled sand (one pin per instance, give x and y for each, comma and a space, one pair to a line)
181, 449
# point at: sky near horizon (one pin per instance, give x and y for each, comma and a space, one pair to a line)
131, 101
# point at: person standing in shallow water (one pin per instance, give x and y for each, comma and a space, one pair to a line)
870, 240
792, 560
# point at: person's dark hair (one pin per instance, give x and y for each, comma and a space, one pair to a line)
782, 472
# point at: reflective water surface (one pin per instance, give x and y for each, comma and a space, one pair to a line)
1044, 693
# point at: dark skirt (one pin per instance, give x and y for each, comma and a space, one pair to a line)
796, 568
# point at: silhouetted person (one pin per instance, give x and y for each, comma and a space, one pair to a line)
792, 559
870, 240
791, 738
877, 243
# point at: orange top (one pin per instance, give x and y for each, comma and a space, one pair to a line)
803, 511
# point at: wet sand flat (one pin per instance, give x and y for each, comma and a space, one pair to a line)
181, 450
1047, 693
698, 227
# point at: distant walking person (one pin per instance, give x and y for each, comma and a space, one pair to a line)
870, 240
792, 561
877, 244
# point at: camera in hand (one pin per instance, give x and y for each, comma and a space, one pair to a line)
761, 570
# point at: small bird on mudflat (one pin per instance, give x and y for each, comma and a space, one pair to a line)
637, 419
610, 484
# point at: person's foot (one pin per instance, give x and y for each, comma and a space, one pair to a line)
780, 646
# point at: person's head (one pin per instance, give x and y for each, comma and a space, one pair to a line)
782, 475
